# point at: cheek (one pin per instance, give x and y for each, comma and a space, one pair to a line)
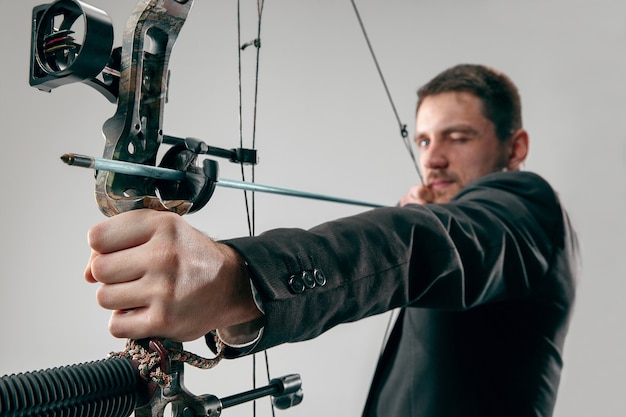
421, 159
469, 167
477, 164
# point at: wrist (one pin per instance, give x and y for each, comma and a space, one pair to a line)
243, 309
241, 335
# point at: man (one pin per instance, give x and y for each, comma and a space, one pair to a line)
481, 259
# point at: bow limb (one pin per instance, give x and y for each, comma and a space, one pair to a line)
135, 132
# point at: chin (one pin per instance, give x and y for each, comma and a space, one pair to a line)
445, 197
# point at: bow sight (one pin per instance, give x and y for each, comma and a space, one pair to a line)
59, 58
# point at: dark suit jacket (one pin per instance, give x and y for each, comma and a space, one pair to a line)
486, 283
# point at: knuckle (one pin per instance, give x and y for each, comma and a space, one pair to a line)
158, 323
94, 236
167, 221
102, 297
97, 268
115, 330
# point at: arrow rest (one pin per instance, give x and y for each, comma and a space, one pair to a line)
199, 184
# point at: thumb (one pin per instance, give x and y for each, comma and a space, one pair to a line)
425, 195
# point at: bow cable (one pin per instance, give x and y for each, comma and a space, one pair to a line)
250, 204
405, 138
403, 130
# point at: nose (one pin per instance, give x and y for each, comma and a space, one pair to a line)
433, 157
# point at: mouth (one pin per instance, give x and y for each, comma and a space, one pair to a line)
440, 183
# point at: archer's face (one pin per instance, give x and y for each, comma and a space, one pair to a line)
457, 143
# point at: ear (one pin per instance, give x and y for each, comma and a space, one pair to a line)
518, 150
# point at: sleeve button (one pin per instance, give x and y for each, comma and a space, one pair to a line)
308, 279
296, 284
320, 278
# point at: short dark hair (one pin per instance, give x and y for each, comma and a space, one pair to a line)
500, 97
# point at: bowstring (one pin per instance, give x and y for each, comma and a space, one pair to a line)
403, 129
407, 143
249, 216
250, 203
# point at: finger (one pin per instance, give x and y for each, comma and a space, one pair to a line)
407, 199
88, 274
134, 324
425, 195
152, 320
411, 197
123, 231
117, 267
149, 322
125, 296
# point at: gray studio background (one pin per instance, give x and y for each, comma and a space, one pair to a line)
324, 126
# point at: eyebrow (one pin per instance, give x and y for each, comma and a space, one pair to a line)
461, 128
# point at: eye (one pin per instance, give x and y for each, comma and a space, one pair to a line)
459, 139
422, 142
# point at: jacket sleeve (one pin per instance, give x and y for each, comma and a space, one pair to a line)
493, 242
